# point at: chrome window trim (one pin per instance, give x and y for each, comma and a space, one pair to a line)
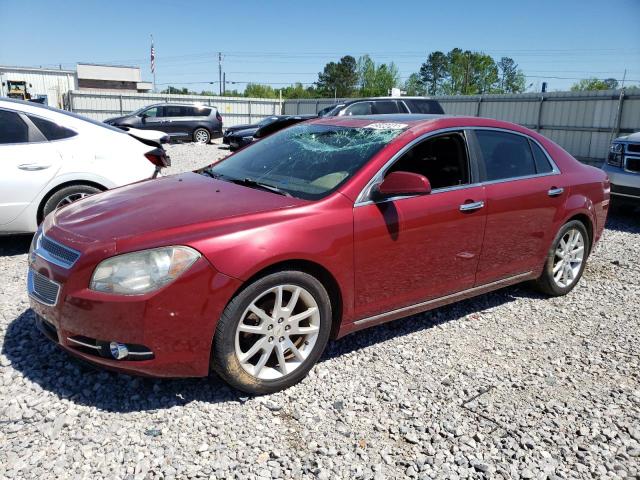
363, 198
45, 255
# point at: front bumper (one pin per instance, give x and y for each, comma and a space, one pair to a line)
623, 183
175, 324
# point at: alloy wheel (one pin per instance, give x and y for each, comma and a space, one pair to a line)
201, 136
74, 197
277, 332
568, 259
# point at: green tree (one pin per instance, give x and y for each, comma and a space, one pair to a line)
297, 90
257, 90
594, 84
338, 79
434, 72
178, 91
414, 85
376, 80
511, 79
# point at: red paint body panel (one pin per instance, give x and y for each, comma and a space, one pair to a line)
382, 256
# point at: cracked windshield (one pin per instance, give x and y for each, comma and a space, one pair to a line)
306, 161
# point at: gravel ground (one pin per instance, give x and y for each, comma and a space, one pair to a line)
191, 156
507, 385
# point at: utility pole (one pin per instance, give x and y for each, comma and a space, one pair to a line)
224, 82
220, 71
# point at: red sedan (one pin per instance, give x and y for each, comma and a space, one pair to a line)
249, 266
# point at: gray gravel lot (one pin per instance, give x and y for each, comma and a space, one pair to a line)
507, 385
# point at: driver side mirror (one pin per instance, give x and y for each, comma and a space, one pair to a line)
403, 183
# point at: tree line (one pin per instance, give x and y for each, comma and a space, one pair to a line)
457, 72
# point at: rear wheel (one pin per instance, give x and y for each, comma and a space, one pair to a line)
66, 196
272, 333
201, 135
566, 260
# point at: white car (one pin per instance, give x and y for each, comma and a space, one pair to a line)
50, 157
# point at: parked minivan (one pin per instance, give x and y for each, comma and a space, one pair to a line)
383, 105
181, 121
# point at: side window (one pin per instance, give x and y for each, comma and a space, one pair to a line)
442, 159
13, 130
360, 108
382, 107
51, 131
175, 111
506, 155
424, 106
542, 162
153, 112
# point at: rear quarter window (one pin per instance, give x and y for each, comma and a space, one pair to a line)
424, 106
50, 130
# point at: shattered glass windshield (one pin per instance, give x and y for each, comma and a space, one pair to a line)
307, 161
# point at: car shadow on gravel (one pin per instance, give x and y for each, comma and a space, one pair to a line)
624, 219
15, 244
42, 362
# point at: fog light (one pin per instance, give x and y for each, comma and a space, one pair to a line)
118, 350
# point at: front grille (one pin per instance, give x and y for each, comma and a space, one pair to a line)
632, 164
42, 289
60, 254
633, 147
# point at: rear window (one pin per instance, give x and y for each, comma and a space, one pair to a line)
50, 130
424, 106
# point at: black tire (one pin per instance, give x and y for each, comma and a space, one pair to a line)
201, 135
546, 283
224, 359
61, 195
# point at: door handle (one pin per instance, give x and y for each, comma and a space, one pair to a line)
468, 207
32, 167
555, 191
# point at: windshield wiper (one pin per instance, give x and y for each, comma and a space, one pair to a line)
249, 182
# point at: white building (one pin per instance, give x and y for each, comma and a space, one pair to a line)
40, 82
53, 84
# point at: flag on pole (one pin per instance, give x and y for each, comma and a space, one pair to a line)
153, 57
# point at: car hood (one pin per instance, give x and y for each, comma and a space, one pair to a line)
169, 207
633, 137
247, 132
235, 128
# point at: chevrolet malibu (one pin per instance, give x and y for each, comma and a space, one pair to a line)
249, 266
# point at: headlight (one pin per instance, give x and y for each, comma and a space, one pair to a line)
615, 147
142, 272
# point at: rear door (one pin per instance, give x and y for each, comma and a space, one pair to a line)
27, 163
524, 197
180, 119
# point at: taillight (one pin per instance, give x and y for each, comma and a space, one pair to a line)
218, 116
158, 157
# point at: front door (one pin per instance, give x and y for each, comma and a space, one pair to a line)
412, 249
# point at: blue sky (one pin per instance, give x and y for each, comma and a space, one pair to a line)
285, 41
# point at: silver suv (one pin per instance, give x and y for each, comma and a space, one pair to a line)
623, 167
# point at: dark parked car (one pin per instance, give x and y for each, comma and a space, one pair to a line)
623, 168
249, 266
242, 135
198, 123
383, 106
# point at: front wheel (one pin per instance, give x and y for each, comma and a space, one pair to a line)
566, 260
201, 135
272, 333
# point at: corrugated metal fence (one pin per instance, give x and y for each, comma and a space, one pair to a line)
100, 105
583, 123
